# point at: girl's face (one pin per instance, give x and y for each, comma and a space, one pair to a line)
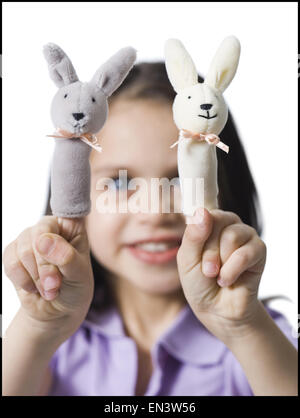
137, 138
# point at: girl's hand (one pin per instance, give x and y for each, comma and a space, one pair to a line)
49, 265
220, 263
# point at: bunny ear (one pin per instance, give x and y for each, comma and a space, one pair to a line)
112, 73
60, 66
224, 64
180, 67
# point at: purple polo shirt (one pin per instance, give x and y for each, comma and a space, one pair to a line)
99, 359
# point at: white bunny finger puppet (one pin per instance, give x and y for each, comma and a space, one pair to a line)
200, 113
78, 111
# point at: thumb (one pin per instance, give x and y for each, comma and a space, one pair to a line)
56, 250
196, 233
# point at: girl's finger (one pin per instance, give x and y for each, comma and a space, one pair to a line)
57, 251
51, 281
58, 243
26, 255
15, 270
193, 240
49, 277
74, 231
53, 249
211, 262
232, 237
249, 256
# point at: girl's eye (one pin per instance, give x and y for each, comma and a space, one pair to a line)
120, 183
189, 97
65, 96
93, 100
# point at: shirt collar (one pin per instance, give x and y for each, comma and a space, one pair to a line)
186, 339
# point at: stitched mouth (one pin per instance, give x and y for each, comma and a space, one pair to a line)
208, 117
78, 128
79, 125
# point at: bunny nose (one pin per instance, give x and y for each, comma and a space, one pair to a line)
78, 116
206, 106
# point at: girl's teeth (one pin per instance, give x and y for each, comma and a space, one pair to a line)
155, 247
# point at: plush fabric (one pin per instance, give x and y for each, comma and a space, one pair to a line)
70, 178
200, 108
111, 74
61, 69
78, 108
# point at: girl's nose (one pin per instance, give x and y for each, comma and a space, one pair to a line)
159, 220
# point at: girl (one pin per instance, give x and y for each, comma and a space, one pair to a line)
143, 304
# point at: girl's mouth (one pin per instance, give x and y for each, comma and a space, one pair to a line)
152, 252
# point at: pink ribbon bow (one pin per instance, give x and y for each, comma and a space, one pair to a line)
209, 138
89, 139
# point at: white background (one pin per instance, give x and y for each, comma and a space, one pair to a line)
262, 98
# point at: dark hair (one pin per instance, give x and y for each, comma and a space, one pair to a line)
237, 191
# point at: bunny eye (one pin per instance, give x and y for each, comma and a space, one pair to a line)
189, 97
93, 100
65, 96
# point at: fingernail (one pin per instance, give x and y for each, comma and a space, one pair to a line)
50, 295
50, 283
210, 268
45, 244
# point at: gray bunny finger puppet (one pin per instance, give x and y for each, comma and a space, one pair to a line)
78, 111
